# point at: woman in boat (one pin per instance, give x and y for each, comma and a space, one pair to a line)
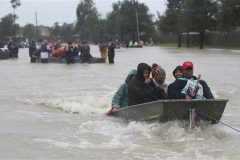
141, 88
190, 87
120, 98
159, 76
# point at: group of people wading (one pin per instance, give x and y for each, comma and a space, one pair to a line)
46, 51
147, 84
107, 51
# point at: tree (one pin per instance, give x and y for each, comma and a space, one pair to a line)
229, 15
122, 20
30, 31
8, 27
199, 16
87, 20
55, 31
15, 4
114, 21
169, 23
66, 31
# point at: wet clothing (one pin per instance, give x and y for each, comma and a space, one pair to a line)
85, 53
70, 55
120, 99
111, 53
164, 86
103, 52
13, 48
44, 55
140, 92
33, 53
179, 89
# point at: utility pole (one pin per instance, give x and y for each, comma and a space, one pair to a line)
137, 26
138, 35
36, 19
36, 30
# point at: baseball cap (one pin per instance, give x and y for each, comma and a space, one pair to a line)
187, 64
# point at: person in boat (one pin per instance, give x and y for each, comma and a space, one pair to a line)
103, 51
44, 52
70, 53
33, 52
120, 98
159, 76
141, 88
177, 73
111, 52
85, 52
189, 86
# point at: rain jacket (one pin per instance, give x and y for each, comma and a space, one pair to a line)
139, 92
178, 89
120, 99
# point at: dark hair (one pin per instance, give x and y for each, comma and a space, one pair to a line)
141, 68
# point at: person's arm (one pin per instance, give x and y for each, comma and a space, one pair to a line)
119, 96
160, 93
117, 99
176, 90
206, 90
137, 91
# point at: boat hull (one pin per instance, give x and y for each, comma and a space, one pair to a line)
168, 110
4, 55
63, 60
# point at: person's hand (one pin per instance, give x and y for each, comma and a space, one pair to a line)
147, 80
188, 97
110, 112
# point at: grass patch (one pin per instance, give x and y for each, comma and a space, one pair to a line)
175, 45
167, 45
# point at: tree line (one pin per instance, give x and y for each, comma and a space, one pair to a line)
185, 16
181, 16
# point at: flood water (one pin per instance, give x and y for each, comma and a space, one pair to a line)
57, 111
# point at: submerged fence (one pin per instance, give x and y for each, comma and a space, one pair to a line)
213, 39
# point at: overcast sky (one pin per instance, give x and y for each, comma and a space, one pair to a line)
50, 11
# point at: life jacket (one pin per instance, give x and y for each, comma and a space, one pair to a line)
193, 89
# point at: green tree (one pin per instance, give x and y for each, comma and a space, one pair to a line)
169, 22
8, 27
199, 16
229, 15
114, 20
55, 31
66, 31
87, 20
122, 20
30, 32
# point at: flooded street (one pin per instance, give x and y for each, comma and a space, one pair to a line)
57, 111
